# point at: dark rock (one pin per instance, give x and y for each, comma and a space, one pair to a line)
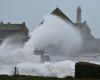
87, 70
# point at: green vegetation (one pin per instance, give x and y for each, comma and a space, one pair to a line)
22, 77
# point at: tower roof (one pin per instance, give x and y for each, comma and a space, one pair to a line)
11, 26
60, 14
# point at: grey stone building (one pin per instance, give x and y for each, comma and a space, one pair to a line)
20, 31
90, 43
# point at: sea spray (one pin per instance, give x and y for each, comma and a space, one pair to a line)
51, 69
12, 52
55, 36
48, 69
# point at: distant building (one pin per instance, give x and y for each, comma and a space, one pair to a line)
18, 30
90, 43
43, 54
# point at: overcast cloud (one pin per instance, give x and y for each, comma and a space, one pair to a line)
32, 11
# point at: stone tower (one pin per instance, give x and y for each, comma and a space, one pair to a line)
78, 14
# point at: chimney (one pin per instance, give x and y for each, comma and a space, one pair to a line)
1, 22
8, 22
78, 14
23, 23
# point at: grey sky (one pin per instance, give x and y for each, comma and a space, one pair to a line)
32, 11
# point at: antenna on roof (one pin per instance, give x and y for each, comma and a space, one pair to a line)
58, 3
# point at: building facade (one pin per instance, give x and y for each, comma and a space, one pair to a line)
90, 43
18, 30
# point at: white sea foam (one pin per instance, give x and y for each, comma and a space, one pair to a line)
55, 36
57, 69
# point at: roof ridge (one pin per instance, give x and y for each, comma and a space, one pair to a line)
60, 14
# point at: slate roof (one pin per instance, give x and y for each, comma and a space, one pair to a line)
11, 26
60, 14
